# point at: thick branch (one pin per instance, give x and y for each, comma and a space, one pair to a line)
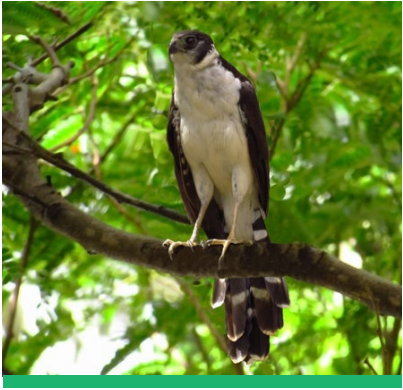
299, 261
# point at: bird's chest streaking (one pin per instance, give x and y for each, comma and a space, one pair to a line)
214, 141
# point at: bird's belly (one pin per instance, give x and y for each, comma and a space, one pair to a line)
221, 147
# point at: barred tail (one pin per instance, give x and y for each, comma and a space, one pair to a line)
253, 309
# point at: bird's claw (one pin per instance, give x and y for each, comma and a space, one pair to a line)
174, 244
225, 244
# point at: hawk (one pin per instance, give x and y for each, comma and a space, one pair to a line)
217, 137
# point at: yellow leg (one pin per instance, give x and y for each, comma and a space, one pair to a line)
193, 239
231, 236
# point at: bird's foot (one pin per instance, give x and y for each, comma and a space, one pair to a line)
225, 244
174, 244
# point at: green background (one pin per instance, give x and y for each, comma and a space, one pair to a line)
328, 78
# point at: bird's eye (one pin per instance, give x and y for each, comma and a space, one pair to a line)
191, 42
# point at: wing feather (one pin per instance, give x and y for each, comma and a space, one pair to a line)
256, 134
257, 142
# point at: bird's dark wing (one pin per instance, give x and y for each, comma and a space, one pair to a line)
255, 132
213, 222
257, 142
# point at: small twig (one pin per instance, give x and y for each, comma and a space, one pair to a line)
276, 131
55, 11
96, 157
202, 348
116, 139
393, 337
14, 301
381, 339
70, 38
7, 121
100, 64
48, 48
293, 100
399, 367
367, 362
121, 210
59, 162
281, 87
291, 63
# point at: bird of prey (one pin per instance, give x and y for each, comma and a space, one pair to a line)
217, 137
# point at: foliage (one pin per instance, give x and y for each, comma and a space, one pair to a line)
336, 179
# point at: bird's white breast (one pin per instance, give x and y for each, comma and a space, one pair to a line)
214, 140
212, 133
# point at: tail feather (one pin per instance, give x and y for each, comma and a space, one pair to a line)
236, 302
219, 291
278, 290
238, 350
253, 308
259, 347
251, 316
269, 316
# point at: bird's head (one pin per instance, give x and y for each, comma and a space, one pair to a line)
191, 47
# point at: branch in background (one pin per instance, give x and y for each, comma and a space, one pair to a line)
101, 64
116, 139
291, 63
21, 74
381, 339
59, 162
300, 261
276, 129
291, 100
63, 43
55, 11
389, 342
45, 84
14, 299
121, 210
370, 366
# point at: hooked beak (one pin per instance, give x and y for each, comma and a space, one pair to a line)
175, 46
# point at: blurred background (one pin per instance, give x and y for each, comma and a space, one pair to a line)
328, 78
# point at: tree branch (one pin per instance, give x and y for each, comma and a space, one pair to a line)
299, 261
